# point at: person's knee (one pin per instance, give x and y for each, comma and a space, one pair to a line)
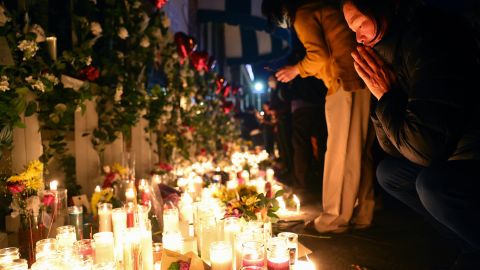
431, 184
386, 174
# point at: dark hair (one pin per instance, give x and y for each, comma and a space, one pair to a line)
381, 11
278, 10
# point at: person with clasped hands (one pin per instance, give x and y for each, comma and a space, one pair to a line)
422, 67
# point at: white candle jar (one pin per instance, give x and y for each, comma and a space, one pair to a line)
221, 255
104, 217
104, 247
66, 236
44, 247
277, 254
292, 244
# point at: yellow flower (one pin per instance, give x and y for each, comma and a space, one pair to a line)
250, 201
15, 178
32, 177
117, 168
35, 167
35, 183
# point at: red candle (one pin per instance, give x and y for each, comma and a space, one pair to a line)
278, 264
252, 260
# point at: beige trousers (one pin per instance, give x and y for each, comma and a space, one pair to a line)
349, 169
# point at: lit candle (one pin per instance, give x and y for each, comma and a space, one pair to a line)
146, 247
98, 189
132, 249
52, 47
170, 220
260, 185
292, 244
305, 265
130, 209
270, 173
231, 227
66, 236
53, 185
186, 208
253, 254
277, 254
130, 195
297, 203
119, 224
221, 255
104, 247
282, 208
173, 241
75, 214
156, 179
232, 185
45, 247
105, 217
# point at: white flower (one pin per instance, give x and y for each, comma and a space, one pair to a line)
36, 84
4, 85
39, 32
3, 18
145, 42
51, 78
28, 47
118, 93
166, 21
88, 60
122, 33
95, 28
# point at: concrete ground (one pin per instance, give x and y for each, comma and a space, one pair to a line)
398, 239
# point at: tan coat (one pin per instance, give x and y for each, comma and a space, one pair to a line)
329, 42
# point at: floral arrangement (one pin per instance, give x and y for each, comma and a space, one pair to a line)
247, 203
179, 265
162, 168
103, 196
113, 174
24, 188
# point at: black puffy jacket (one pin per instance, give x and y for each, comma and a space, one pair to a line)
432, 114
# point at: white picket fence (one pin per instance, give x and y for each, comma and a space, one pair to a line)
28, 146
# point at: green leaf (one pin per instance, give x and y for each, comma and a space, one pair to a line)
279, 193
174, 266
31, 108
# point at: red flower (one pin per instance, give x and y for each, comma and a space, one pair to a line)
89, 73
165, 166
48, 199
160, 3
15, 188
109, 179
184, 265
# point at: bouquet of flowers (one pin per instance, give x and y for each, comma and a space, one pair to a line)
24, 189
104, 196
245, 202
113, 174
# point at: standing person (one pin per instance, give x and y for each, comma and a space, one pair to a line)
423, 68
348, 173
281, 106
268, 122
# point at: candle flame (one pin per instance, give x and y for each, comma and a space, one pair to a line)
281, 203
98, 189
53, 185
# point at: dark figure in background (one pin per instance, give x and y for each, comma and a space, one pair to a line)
250, 127
267, 121
283, 128
422, 66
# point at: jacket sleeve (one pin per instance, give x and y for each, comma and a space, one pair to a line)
426, 127
310, 33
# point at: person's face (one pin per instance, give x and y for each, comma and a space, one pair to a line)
364, 27
272, 82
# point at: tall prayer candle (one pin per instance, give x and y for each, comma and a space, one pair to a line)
270, 173
297, 203
173, 241
132, 249
53, 185
105, 217
130, 209
104, 247
52, 47
146, 245
119, 222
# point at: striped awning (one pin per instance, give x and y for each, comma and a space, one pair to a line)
247, 39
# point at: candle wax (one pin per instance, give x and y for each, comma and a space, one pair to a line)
252, 260
278, 264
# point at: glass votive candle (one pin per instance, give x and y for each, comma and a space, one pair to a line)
221, 255
75, 218
81, 263
9, 254
277, 254
170, 220
132, 248
157, 252
104, 217
84, 248
231, 227
173, 241
253, 253
66, 236
17, 264
51, 261
292, 244
104, 247
44, 247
